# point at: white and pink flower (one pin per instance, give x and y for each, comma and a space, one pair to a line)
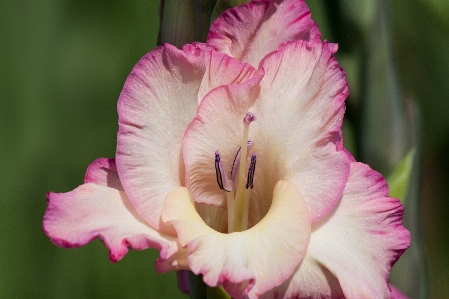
230, 161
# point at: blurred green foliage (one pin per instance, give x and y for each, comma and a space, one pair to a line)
406, 65
398, 181
62, 67
63, 64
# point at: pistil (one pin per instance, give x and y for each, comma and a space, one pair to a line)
238, 188
241, 201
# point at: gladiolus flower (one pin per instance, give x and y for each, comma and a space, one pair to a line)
239, 173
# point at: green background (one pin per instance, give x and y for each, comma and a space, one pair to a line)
62, 67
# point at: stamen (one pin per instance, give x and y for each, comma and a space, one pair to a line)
222, 180
247, 193
225, 184
251, 170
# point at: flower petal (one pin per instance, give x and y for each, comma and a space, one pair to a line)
310, 280
218, 125
363, 237
75, 218
249, 32
100, 208
397, 293
297, 134
215, 217
177, 261
220, 69
103, 171
158, 101
247, 263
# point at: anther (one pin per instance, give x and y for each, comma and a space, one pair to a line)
251, 170
222, 180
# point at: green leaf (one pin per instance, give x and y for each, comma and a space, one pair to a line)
398, 180
199, 290
178, 23
203, 13
217, 293
383, 132
223, 5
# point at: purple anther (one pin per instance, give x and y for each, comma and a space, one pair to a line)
222, 180
249, 117
251, 170
236, 164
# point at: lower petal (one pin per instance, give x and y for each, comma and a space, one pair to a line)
310, 280
247, 263
363, 237
214, 216
103, 171
177, 261
75, 218
396, 293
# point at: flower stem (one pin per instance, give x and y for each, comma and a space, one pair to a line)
198, 289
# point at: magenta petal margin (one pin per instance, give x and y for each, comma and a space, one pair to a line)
251, 31
95, 209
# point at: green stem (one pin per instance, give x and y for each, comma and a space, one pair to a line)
198, 289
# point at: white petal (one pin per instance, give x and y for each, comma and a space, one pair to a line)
158, 101
363, 237
249, 32
297, 134
249, 262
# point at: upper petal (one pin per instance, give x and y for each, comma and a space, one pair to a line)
297, 135
220, 69
249, 32
92, 210
363, 237
158, 101
247, 263
218, 125
299, 106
